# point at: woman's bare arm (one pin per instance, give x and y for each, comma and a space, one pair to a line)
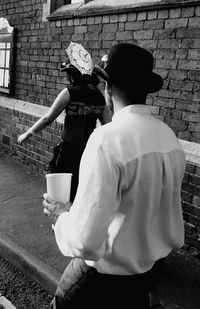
55, 110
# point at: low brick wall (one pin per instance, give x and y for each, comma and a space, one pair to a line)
16, 116
191, 194
191, 204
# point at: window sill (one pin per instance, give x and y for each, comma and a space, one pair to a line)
104, 7
65, 12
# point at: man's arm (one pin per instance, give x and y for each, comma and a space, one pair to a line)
82, 231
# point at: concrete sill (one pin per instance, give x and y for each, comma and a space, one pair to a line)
105, 7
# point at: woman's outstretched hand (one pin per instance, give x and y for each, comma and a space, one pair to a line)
22, 138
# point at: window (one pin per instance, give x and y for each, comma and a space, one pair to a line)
6, 55
55, 4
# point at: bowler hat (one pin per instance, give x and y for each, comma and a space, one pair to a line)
130, 67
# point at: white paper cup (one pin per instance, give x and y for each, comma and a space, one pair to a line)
59, 186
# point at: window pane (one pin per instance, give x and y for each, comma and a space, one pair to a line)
1, 77
6, 81
7, 58
2, 58
6, 45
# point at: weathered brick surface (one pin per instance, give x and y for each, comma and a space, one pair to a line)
171, 34
38, 149
191, 204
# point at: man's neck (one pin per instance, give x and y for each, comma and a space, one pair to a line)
121, 99
119, 103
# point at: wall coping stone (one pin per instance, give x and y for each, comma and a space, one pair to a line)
192, 150
27, 108
105, 7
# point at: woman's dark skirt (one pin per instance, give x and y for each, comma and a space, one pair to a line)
66, 159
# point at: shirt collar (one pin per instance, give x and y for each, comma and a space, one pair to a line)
137, 109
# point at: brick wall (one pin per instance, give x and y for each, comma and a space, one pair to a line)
170, 32
191, 204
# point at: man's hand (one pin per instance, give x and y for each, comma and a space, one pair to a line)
54, 209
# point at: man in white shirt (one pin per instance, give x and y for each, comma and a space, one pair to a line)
127, 215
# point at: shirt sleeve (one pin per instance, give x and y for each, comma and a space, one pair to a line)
83, 231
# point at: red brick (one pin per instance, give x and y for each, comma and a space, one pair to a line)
188, 12
110, 28
143, 35
175, 13
194, 22
176, 23
124, 35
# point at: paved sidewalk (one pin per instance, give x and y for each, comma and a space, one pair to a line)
25, 232
26, 238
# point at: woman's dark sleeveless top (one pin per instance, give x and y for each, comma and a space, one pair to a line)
86, 104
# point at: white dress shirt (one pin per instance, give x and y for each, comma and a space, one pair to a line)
127, 212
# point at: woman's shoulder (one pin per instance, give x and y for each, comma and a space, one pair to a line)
87, 95
73, 88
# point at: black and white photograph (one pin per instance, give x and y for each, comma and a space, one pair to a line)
99, 154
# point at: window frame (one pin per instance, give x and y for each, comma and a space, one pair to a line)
7, 34
56, 4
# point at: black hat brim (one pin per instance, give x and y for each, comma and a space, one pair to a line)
152, 83
101, 72
156, 83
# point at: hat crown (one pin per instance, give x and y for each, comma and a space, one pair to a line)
129, 58
131, 66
